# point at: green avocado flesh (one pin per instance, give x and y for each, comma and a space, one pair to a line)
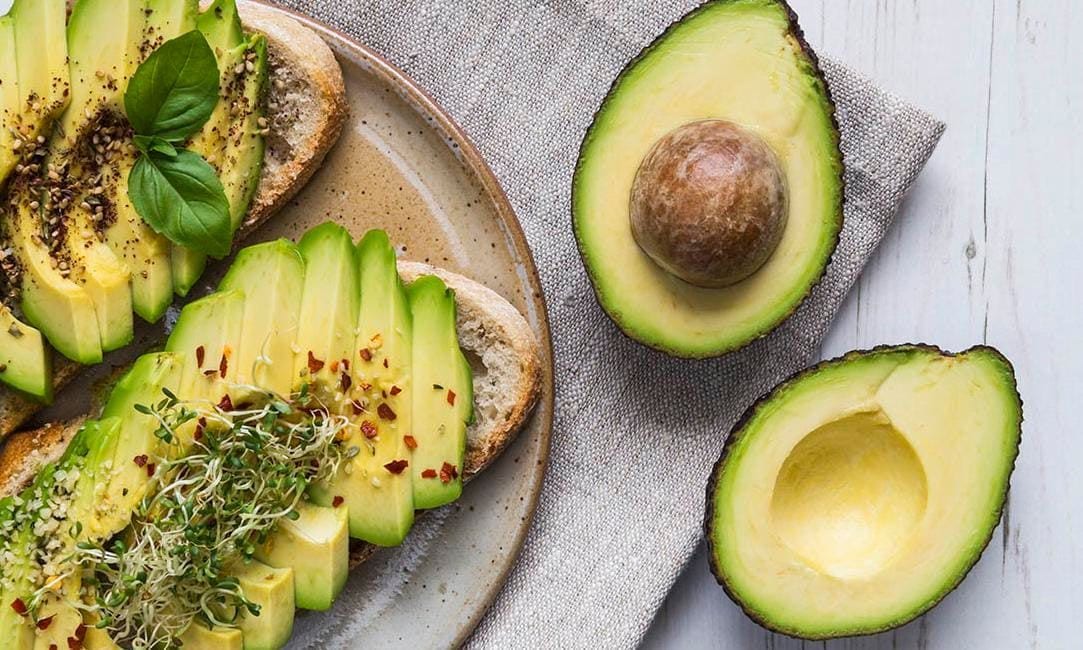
443, 401
323, 326
316, 546
736, 60
378, 372
273, 591
271, 276
856, 495
84, 262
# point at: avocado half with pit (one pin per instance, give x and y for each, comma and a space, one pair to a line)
707, 199
856, 495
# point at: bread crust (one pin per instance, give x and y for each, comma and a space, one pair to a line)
299, 53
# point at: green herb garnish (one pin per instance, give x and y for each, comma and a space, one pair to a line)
213, 506
169, 98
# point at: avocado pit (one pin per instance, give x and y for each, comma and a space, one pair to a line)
709, 203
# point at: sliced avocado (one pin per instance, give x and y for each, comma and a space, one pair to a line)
329, 307
200, 637
143, 252
106, 279
317, 547
61, 309
166, 20
58, 617
16, 583
137, 448
271, 276
10, 99
90, 493
25, 364
376, 485
231, 141
221, 24
272, 590
857, 494
743, 62
207, 335
443, 395
242, 161
100, 69
42, 59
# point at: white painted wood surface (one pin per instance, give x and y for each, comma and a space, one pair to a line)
987, 249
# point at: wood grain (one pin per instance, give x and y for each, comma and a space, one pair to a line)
986, 249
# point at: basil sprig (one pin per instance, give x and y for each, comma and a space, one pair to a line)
169, 98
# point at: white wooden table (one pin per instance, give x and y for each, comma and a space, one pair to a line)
987, 249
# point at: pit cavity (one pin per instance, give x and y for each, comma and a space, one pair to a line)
849, 495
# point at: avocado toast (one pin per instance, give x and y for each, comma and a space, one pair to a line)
254, 490
292, 122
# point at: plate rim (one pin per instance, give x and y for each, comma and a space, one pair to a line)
476, 165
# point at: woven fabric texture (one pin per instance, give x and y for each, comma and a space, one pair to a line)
636, 432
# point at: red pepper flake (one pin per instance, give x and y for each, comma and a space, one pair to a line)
383, 394
345, 382
52, 646
80, 632
358, 407
222, 365
201, 424
395, 390
410, 441
150, 470
385, 412
75, 643
365, 386
140, 460
451, 397
346, 364
428, 473
385, 362
396, 466
43, 624
210, 372
334, 366
314, 364
448, 472
225, 404
366, 354
200, 352
369, 429
337, 501
19, 606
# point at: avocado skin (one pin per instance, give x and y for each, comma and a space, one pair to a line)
798, 36
738, 430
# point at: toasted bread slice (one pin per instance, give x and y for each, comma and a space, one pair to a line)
502, 350
306, 107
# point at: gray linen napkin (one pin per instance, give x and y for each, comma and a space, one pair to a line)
636, 432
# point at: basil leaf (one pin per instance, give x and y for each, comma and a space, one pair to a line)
172, 93
149, 143
182, 199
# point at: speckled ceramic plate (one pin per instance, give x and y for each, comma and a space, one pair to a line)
405, 166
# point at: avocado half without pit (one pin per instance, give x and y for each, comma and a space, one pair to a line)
707, 198
857, 494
